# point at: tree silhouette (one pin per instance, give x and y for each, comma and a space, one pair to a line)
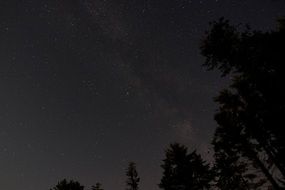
176, 170
133, 179
251, 109
233, 169
98, 186
202, 174
184, 171
71, 185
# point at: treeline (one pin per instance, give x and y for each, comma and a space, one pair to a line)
132, 182
249, 142
181, 170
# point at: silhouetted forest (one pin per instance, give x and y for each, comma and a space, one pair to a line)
249, 143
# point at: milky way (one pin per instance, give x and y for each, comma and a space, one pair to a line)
87, 86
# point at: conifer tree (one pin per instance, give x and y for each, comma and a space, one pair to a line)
184, 171
132, 177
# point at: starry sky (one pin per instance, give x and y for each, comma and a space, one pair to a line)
89, 85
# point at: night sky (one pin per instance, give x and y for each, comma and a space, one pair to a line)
89, 85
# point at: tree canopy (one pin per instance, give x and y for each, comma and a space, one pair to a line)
252, 108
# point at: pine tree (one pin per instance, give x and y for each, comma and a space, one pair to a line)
184, 171
202, 173
133, 179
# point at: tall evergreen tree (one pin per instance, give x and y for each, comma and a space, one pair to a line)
202, 174
184, 171
176, 169
133, 179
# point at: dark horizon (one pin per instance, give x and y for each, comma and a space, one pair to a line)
88, 86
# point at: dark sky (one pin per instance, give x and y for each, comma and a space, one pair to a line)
89, 85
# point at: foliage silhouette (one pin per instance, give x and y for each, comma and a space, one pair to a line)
71, 185
133, 179
251, 109
182, 170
